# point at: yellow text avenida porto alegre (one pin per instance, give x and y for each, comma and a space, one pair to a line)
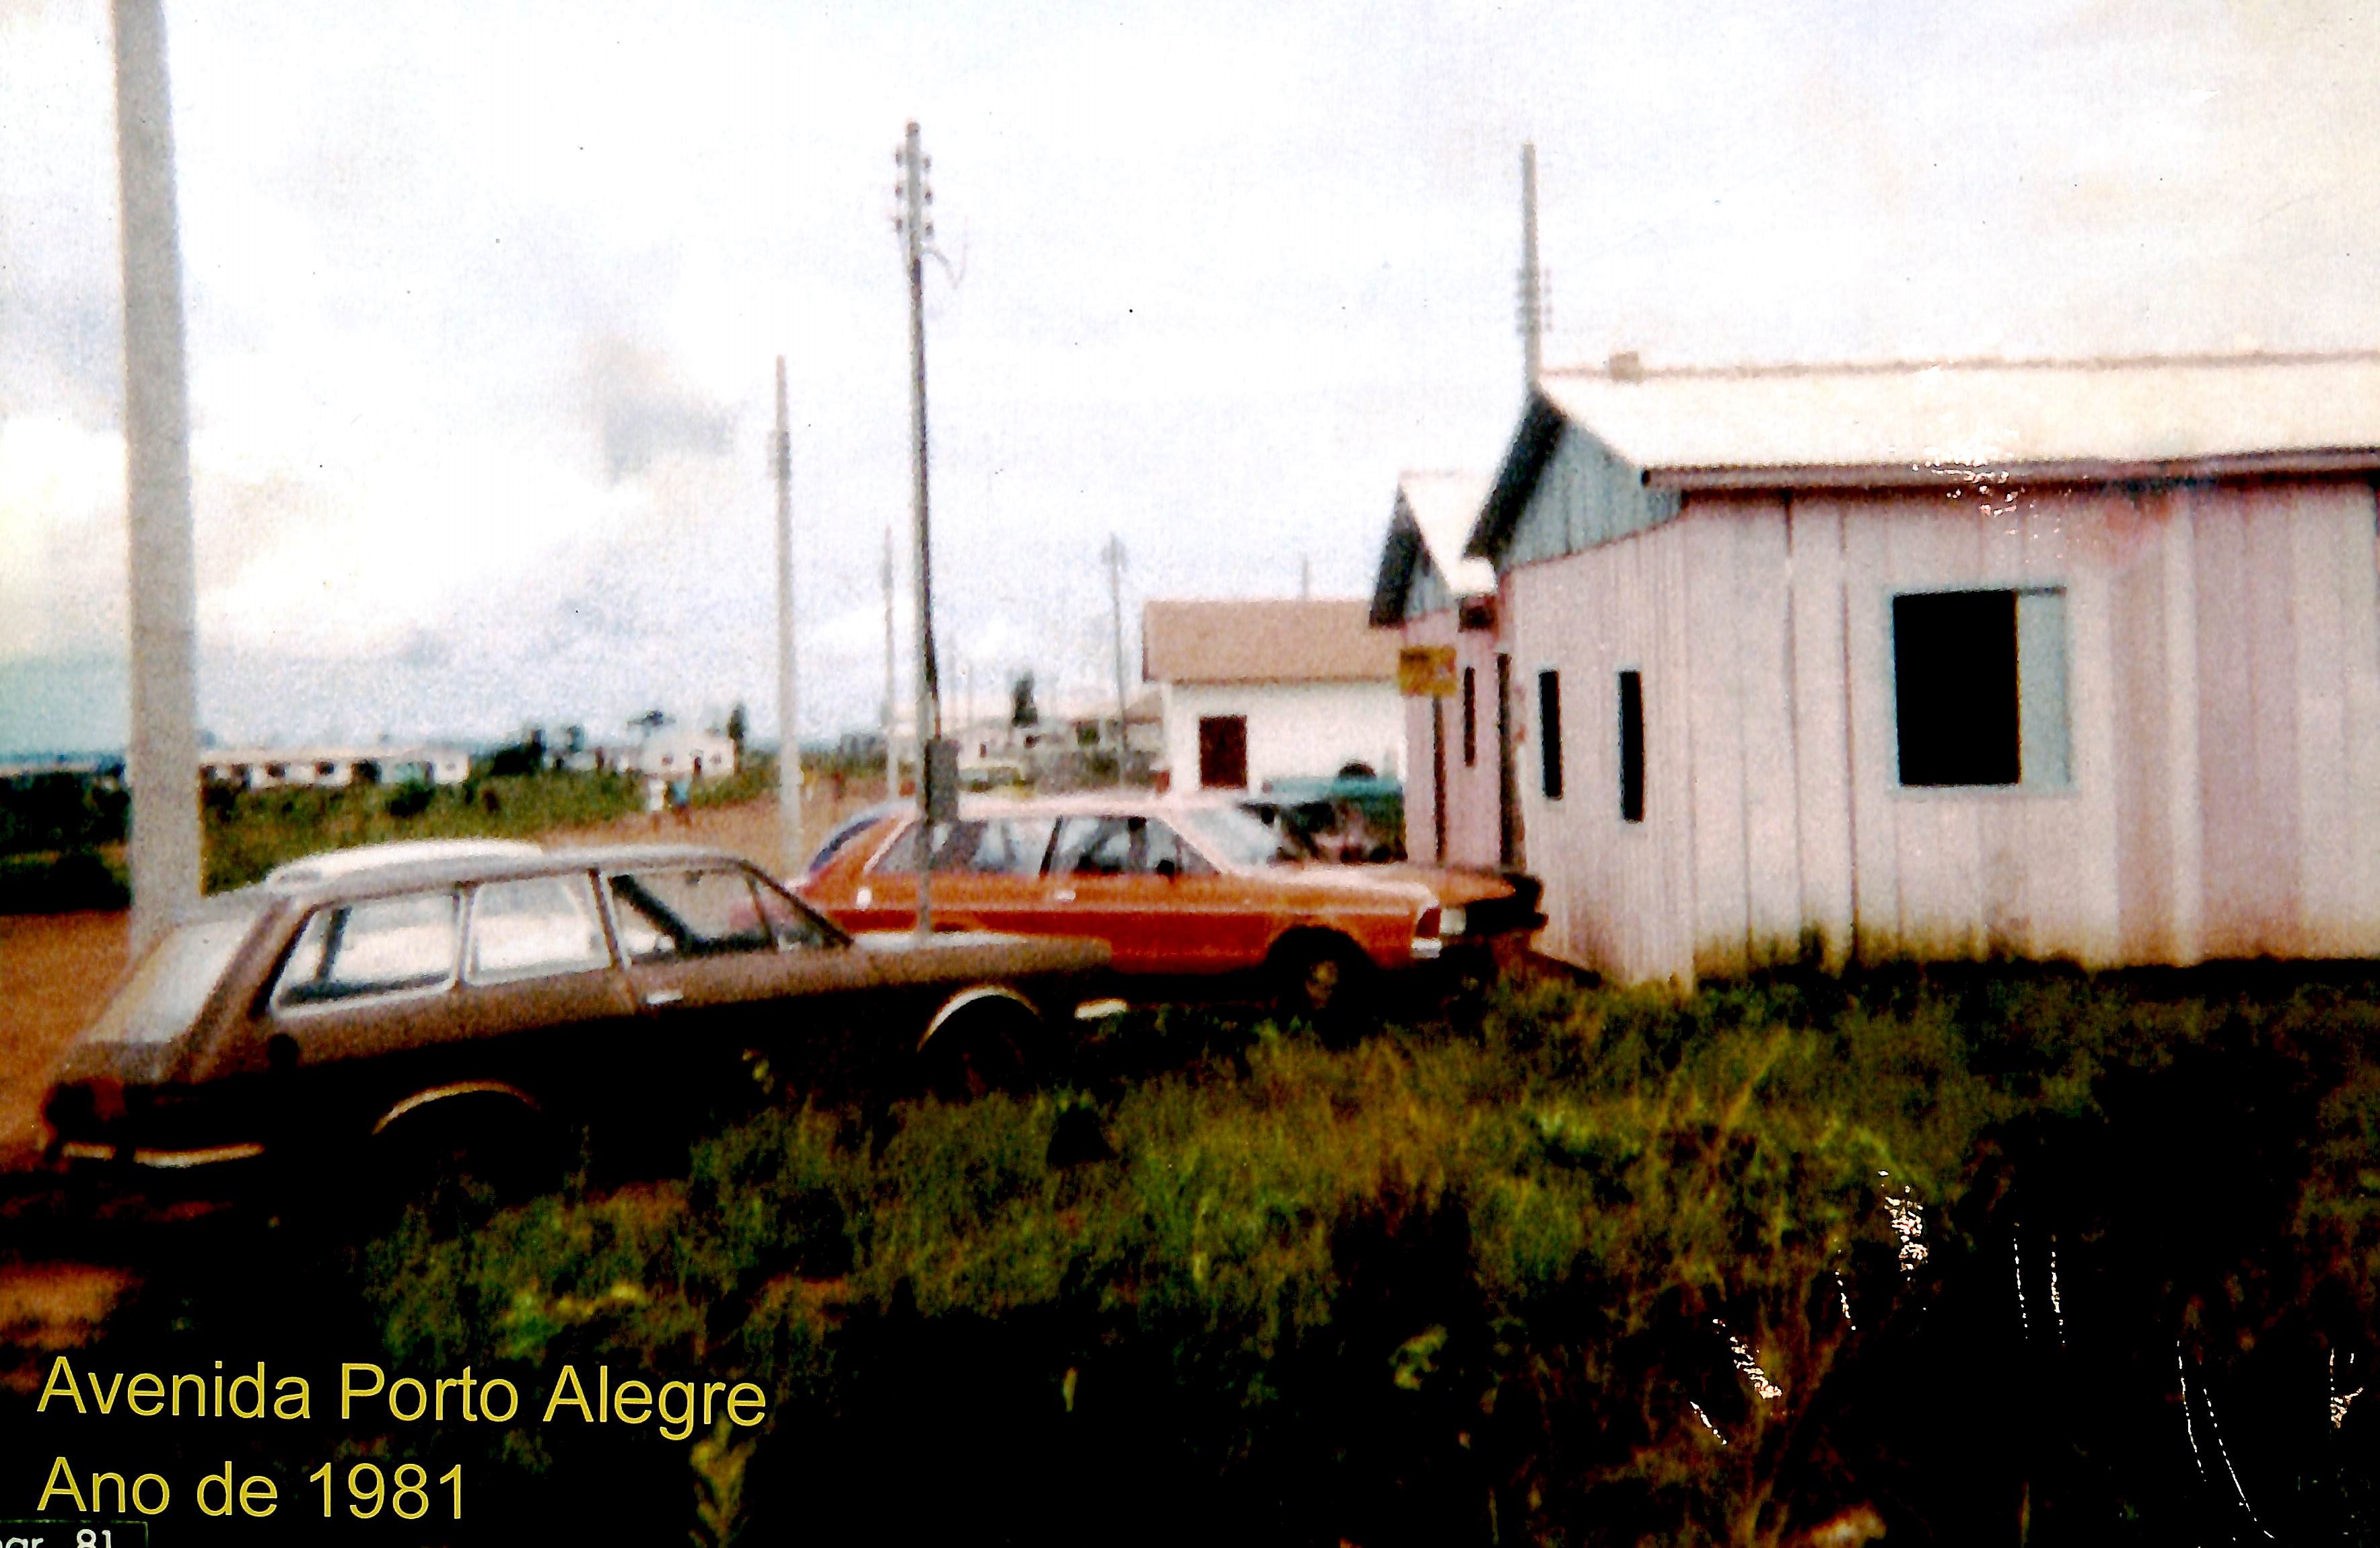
367, 1395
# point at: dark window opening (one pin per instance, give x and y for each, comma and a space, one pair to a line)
1954, 667
1632, 747
1550, 730
1470, 717
1438, 775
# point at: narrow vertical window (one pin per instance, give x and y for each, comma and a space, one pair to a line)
1438, 775
1632, 747
1549, 732
1470, 717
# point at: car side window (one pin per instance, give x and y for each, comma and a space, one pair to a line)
997, 846
689, 912
378, 946
1099, 846
535, 927
1011, 847
793, 927
1168, 855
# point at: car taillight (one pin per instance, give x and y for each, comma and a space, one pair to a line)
1428, 926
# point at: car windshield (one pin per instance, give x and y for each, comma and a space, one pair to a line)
171, 983
1240, 838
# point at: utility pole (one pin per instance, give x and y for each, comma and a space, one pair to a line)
162, 756
891, 718
1532, 280
1304, 576
1113, 555
789, 743
915, 233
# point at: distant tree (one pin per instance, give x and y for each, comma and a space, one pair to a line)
574, 741
737, 724
525, 756
1021, 709
649, 721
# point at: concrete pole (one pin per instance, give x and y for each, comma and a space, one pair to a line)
163, 755
789, 743
1532, 281
913, 166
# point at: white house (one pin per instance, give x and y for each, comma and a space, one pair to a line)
264, 767
672, 753
1251, 691
1439, 599
2072, 659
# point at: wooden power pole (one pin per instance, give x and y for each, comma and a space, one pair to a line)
162, 756
1533, 315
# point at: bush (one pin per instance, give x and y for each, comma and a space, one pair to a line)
1919, 1248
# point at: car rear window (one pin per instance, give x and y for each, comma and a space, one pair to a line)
379, 946
534, 927
837, 841
170, 987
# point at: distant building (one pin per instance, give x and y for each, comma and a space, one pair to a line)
1251, 691
670, 754
1438, 601
2075, 659
264, 767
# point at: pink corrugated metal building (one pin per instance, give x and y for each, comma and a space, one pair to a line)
2054, 660
1432, 595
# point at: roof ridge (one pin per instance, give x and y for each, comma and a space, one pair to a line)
1974, 362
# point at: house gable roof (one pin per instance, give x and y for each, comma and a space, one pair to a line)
1433, 518
1947, 423
1305, 640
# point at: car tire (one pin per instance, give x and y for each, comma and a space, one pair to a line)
989, 1047
461, 1165
1323, 982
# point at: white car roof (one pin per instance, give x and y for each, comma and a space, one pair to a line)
332, 864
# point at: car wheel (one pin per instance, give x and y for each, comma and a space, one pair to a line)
460, 1167
1321, 981
988, 1048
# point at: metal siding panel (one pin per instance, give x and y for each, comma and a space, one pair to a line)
1771, 785
1822, 773
2359, 582
1867, 653
2326, 881
1714, 701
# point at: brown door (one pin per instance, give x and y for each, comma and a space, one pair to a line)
1222, 751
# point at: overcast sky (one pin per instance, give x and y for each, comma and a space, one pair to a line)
483, 300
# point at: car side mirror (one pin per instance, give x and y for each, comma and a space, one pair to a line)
1169, 870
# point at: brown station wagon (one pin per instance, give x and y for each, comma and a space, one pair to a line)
460, 999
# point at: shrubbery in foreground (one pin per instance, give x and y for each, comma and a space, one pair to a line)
1623, 1268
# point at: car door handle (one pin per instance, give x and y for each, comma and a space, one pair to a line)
1063, 895
664, 997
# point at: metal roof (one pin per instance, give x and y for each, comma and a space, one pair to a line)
1432, 519
1445, 506
1945, 421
